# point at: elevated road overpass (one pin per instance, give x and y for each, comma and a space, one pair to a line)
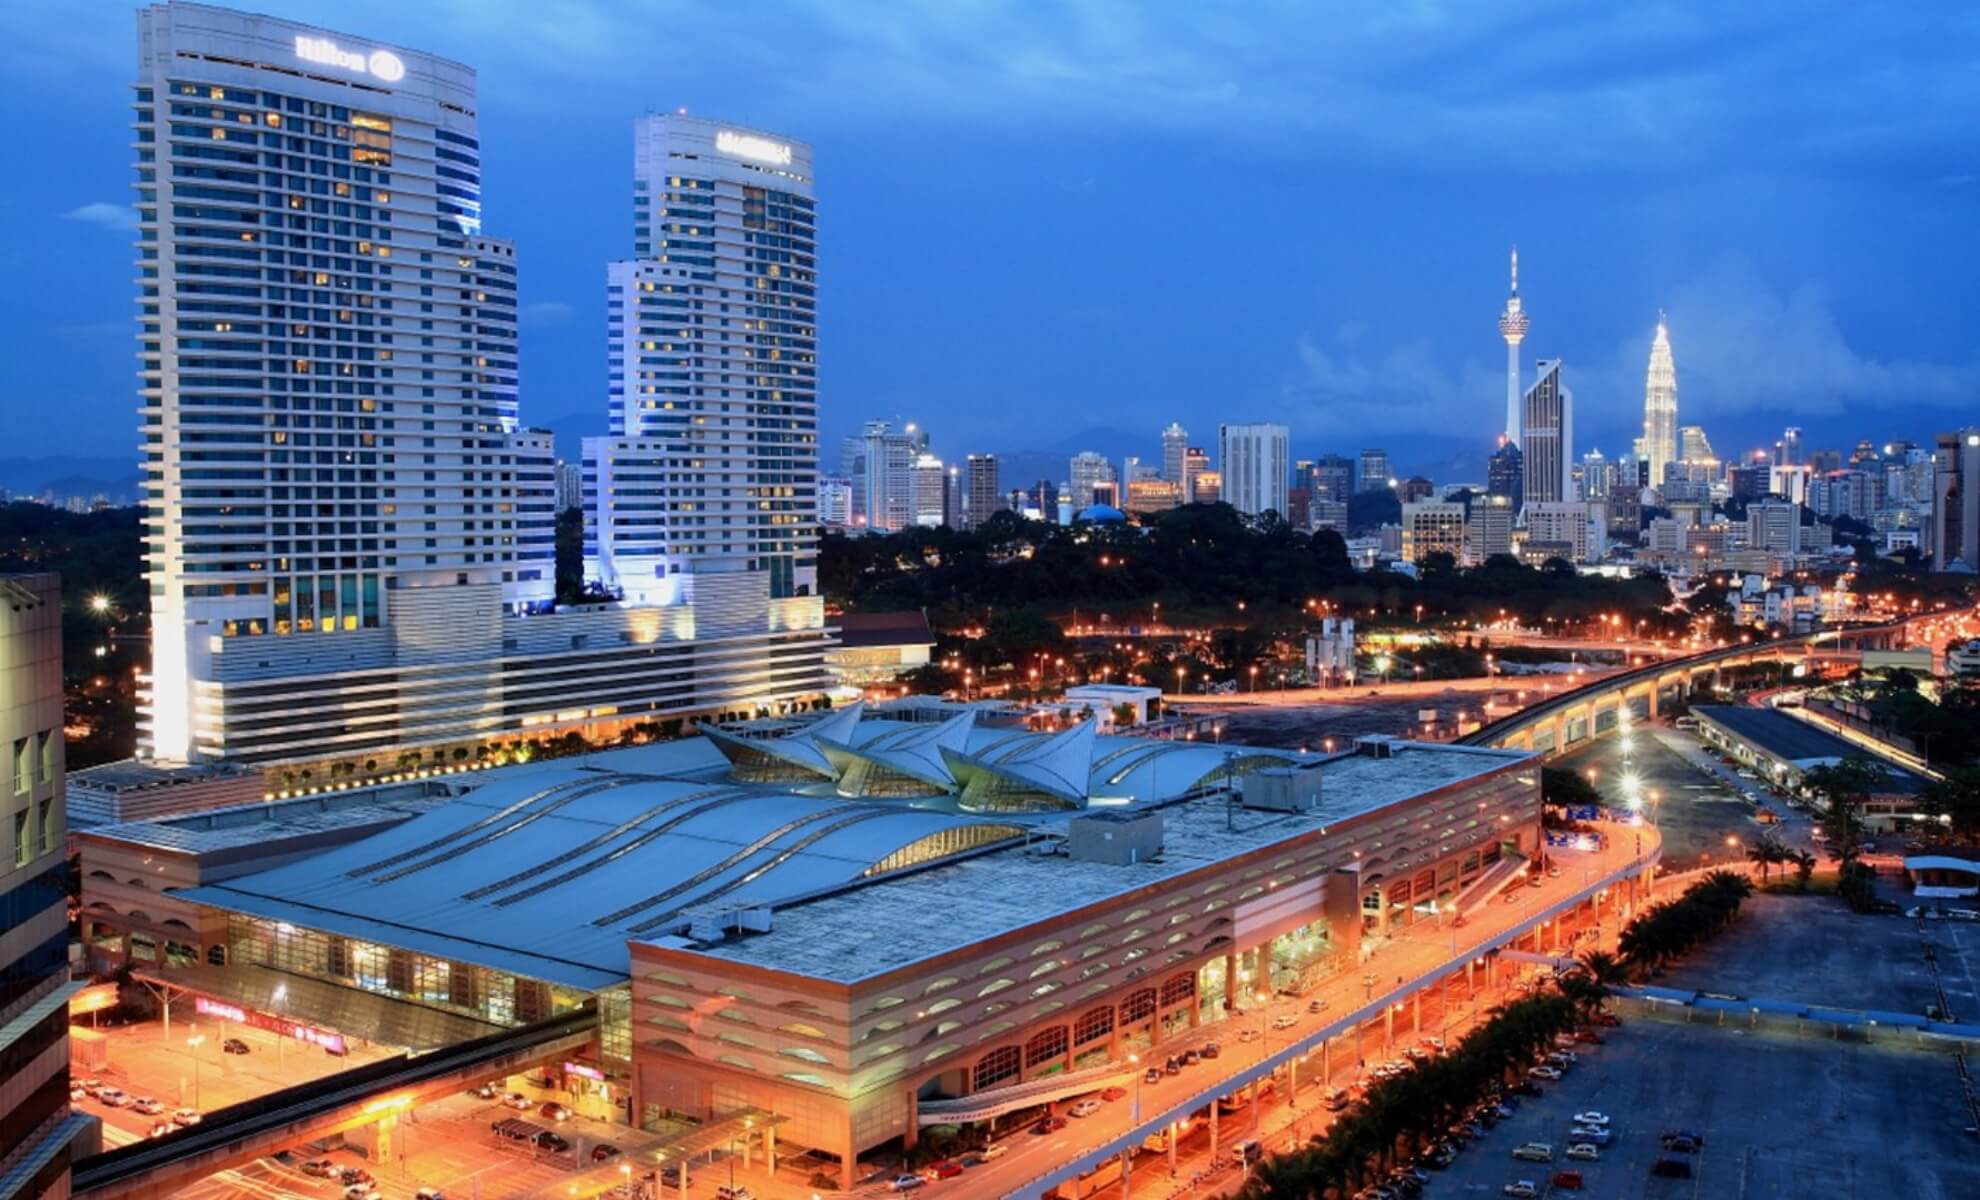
1558, 722
376, 1093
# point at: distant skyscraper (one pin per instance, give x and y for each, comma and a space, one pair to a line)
1547, 439
1505, 475
1087, 469
1175, 442
1660, 407
570, 485
1209, 487
1253, 460
1196, 460
1790, 448
1695, 449
1513, 323
982, 494
879, 461
1333, 478
928, 481
1955, 541
835, 494
1598, 477
1374, 471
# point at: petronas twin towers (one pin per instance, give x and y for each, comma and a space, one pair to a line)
1658, 445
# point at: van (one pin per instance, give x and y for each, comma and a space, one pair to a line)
1534, 1152
1247, 1152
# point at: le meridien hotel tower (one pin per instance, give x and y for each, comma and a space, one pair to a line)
349, 538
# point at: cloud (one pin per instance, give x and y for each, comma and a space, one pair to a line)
121, 218
547, 312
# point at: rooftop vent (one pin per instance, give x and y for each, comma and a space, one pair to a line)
717, 921
1115, 838
1375, 745
1283, 789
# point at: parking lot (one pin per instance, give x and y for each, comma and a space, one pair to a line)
1779, 1117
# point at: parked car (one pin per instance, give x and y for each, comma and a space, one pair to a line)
360, 1191
91, 1084
113, 1097
1152, 1075
517, 1101
906, 1183
1567, 1181
1591, 1117
1682, 1143
1248, 1034
1563, 1058
234, 1046
604, 1152
1547, 1073
1048, 1125
996, 1150
352, 1176
1284, 1021
1210, 1050
185, 1116
553, 1111
484, 1091
948, 1168
320, 1168
77, 1091
1112, 1094
147, 1106
429, 1193
1086, 1108
1588, 1037
1593, 1134
974, 1158
1314, 1006
1584, 1152
1172, 1065
161, 1128
1248, 1151
1338, 1100
1191, 1057
1521, 1189
1697, 1137
1534, 1152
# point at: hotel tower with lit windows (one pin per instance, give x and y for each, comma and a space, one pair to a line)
349, 535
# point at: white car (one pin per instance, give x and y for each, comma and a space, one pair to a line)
1525, 1189
113, 1097
147, 1106
1543, 1072
1534, 1152
995, 1150
906, 1183
1584, 1152
1248, 1035
1591, 1118
1589, 1133
1086, 1108
1284, 1022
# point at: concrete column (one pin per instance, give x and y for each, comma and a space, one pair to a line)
1213, 1130
684, 1176
1416, 1013
1173, 1139
1292, 1083
1254, 1104
1230, 980
1127, 1172
770, 1147
1388, 1025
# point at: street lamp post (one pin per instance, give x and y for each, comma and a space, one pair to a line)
194, 1043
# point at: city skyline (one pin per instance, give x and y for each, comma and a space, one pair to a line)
1400, 352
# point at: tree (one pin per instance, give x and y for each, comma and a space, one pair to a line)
1955, 800
1844, 789
1767, 851
1567, 788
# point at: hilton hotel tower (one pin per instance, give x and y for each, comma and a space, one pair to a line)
349, 536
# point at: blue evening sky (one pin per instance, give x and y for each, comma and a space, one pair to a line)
1042, 219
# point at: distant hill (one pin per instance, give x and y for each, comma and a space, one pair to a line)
71, 475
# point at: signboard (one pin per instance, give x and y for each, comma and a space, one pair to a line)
94, 998
749, 145
379, 64
280, 1026
579, 1069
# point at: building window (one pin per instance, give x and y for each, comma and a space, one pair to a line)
1093, 1023
47, 826
23, 760
46, 754
1138, 1006
1046, 1046
995, 1067
21, 847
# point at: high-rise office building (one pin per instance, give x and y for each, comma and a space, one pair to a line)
1253, 460
1659, 446
1598, 477
1196, 460
1547, 439
1695, 449
1086, 469
982, 493
835, 494
1788, 452
37, 1126
570, 485
1208, 487
1333, 478
1373, 471
1432, 527
1488, 527
1774, 526
328, 387
928, 492
1513, 324
1558, 529
879, 460
1505, 475
1955, 531
1175, 443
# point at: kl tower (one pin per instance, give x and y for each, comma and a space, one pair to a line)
1512, 324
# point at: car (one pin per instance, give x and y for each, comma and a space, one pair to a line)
1048, 1125
974, 1158
185, 1116
604, 1152
1607, 1018
1567, 1181
320, 1168
485, 1091
234, 1046
1584, 1152
352, 1176
1534, 1152
1671, 1168
1693, 1134
1589, 1037
1248, 1034
1284, 1021
360, 1191
546, 1140
1316, 1006
161, 1128
429, 1193
996, 1150
1458, 1135
1113, 1093
948, 1168
91, 1084
1086, 1108
1338, 1100
113, 1097
1562, 1058
1434, 1045
1440, 1159
1681, 1143
1172, 1065
1152, 1075
147, 1106
1210, 1050
1547, 1073
1526, 1087
1591, 1117
906, 1183
1594, 1134
553, 1111
77, 1091
1523, 1188
1191, 1057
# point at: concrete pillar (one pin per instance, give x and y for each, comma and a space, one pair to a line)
1173, 1139
1292, 1083
684, 1176
1213, 1130
1127, 1172
1254, 1104
1388, 1025
1416, 1013
1230, 980
770, 1148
